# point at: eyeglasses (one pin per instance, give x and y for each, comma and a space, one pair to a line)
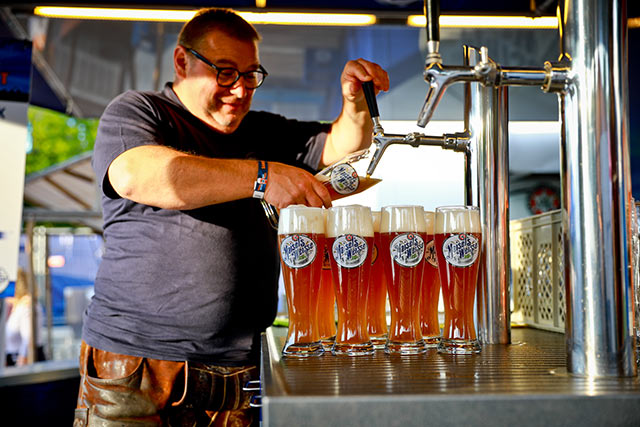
228, 76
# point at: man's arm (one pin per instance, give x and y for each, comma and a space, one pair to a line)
166, 178
352, 130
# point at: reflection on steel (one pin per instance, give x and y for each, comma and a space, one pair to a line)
489, 120
456, 142
485, 145
591, 79
597, 189
522, 384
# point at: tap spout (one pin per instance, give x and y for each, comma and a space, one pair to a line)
439, 78
382, 142
456, 142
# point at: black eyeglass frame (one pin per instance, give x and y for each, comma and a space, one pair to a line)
239, 73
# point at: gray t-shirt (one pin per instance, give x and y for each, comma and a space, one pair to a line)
201, 284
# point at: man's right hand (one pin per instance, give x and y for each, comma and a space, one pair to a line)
289, 185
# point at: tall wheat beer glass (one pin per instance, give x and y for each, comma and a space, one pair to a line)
458, 238
377, 294
402, 236
429, 322
350, 236
301, 238
326, 301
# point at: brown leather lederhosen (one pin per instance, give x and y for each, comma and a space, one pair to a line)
117, 389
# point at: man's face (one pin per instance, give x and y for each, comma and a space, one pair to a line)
222, 108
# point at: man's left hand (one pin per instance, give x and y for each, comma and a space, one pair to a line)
360, 70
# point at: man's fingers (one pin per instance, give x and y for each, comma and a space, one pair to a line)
323, 194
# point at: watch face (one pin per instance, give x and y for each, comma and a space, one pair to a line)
543, 199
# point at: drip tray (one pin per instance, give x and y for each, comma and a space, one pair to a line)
524, 384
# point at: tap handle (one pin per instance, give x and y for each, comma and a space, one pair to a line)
370, 96
432, 15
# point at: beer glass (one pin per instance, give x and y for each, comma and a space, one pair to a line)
458, 237
301, 238
402, 236
349, 234
429, 323
326, 301
377, 292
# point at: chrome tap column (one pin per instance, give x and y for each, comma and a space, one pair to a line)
489, 130
596, 188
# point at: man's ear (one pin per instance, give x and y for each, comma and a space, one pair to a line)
180, 61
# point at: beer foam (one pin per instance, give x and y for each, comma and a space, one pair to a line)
376, 221
351, 219
457, 219
402, 219
301, 219
430, 221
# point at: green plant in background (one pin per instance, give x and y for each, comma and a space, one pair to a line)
56, 137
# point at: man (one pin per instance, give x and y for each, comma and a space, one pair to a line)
188, 279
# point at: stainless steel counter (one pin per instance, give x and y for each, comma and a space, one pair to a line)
523, 384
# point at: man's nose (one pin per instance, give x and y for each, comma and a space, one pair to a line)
239, 89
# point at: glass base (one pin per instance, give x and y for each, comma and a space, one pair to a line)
459, 346
379, 341
302, 350
327, 343
345, 349
396, 347
432, 341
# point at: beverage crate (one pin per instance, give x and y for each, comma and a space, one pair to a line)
537, 270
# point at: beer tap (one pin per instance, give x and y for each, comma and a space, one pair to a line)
440, 76
456, 142
551, 78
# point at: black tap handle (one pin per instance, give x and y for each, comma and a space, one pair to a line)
370, 96
432, 13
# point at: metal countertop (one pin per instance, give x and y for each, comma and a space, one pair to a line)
524, 384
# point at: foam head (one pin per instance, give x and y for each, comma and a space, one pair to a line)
351, 219
301, 219
430, 221
457, 219
376, 221
405, 219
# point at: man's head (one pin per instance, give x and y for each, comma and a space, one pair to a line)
207, 20
213, 39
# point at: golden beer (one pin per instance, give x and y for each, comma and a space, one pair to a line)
402, 235
430, 295
326, 304
458, 237
349, 234
377, 292
301, 240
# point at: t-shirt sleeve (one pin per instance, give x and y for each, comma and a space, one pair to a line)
129, 121
295, 142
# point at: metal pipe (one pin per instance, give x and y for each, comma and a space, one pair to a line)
489, 125
523, 76
432, 21
383, 141
597, 190
31, 285
468, 156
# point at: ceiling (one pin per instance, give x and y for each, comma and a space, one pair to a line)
493, 6
534, 7
51, 94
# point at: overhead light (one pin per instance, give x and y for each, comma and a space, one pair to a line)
165, 15
114, 13
282, 18
478, 21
